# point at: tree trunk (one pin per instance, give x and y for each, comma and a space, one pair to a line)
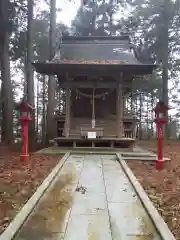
165, 56
37, 111
30, 74
140, 116
94, 19
111, 19
152, 114
1, 109
51, 81
7, 95
25, 76
44, 111
147, 120
131, 104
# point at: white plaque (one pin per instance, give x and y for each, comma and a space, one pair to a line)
91, 134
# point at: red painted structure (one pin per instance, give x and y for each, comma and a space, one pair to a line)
26, 113
160, 119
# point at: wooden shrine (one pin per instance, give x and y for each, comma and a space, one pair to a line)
95, 74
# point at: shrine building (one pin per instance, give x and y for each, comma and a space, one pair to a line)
95, 74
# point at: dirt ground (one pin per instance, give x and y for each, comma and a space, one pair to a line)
163, 187
18, 181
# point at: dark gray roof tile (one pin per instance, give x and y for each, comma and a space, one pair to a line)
114, 52
96, 51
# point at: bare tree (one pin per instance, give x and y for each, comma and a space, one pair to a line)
7, 95
51, 81
29, 72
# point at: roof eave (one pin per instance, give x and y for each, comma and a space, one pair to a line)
85, 38
58, 69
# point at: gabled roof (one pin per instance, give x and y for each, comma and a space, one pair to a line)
110, 50
100, 51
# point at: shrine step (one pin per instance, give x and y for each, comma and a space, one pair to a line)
102, 142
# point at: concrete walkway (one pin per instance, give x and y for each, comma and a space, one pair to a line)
91, 199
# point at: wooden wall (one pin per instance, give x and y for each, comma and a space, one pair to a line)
81, 106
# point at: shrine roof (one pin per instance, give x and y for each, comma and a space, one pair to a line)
87, 52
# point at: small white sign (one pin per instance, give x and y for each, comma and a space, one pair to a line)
91, 134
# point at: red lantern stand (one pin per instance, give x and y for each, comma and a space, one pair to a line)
26, 113
160, 119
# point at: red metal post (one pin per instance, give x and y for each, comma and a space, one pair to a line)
160, 119
25, 154
160, 160
26, 112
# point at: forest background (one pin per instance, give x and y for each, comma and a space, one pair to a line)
32, 30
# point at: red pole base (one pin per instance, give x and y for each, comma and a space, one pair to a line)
159, 164
24, 157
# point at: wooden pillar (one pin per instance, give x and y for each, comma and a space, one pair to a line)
134, 127
119, 106
93, 109
68, 113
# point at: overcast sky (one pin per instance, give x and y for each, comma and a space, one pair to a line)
69, 10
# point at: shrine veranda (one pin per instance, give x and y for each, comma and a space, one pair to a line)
95, 74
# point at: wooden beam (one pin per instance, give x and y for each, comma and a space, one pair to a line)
127, 77
90, 84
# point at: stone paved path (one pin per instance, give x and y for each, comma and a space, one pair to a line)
91, 199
